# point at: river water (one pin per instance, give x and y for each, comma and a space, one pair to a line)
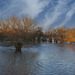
42, 59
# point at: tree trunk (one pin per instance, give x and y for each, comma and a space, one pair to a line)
18, 47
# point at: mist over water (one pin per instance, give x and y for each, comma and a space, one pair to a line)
42, 59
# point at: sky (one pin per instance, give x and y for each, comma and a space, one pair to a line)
47, 13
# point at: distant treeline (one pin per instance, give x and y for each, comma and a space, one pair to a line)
61, 34
24, 29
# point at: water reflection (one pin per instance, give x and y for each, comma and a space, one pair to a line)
44, 59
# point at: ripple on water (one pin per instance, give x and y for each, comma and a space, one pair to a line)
44, 59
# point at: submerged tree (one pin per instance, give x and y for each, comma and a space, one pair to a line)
18, 30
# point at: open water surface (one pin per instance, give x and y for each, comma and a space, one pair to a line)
42, 59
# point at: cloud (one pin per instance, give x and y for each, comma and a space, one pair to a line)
28, 7
34, 7
59, 9
69, 14
46, 12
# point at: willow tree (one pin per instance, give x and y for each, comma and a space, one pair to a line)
18, 30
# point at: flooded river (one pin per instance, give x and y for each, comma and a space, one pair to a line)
42, 59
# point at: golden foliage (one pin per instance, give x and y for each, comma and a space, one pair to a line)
17, 29
62, 34
24, 29
70, 35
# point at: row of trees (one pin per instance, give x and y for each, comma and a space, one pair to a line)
24, 30
61, 34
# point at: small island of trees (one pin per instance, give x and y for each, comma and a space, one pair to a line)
21, 31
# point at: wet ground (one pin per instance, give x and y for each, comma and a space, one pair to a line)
42, 59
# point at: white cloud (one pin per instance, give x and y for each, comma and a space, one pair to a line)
33, 8
28, 7
60, 8
69, 15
